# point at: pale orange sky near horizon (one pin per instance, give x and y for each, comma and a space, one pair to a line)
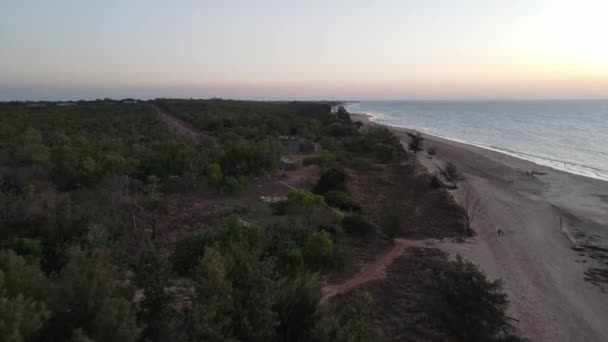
305, 49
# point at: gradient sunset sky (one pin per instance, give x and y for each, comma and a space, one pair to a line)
433, 49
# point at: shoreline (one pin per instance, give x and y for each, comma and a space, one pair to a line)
520, 155
555, 237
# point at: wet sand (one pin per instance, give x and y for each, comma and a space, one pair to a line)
554, 253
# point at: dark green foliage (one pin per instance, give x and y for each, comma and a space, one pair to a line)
318, 250
234, 185
357, 225
341, 200
343, 256
188, 250
300, 202
378, 143
88, 298
80, 144
297, 307
340, 129
31, 248
250, 119
210, 319
386, 146
18, 276
451, 173
153, 271
392, 219
242, 157
299, 247
469, 306
415, 144
215, 175
290, 261
435, 182
342, 114
285, 241
23, 290
20, 317
286, 235
354, 324
307, 207
324, 159
234, 296
332, 179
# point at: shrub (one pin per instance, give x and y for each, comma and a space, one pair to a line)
291, 261
415, 143
360, 163
297, 306
341, 200
469, 306
357, 225
451, 173
299, 202
384, 178
391, 219
435, 182
332, 179
342, 114
342, 256
28, 247
234, 185
318, 250
338, 129
325, 159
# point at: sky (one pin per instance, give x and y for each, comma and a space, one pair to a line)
349, 50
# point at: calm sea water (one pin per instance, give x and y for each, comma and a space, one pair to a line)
567, 135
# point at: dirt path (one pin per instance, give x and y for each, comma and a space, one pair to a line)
181, 127
372, 270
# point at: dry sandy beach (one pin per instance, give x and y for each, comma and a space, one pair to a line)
554, 253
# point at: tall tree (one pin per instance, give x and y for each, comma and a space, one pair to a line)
23, 287
297, 306
469, 306
20, 317
88, 298
211, 318
153, 273
471, 205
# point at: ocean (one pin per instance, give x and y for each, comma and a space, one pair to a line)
568, 135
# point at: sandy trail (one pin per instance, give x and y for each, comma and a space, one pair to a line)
181, 127
372, 270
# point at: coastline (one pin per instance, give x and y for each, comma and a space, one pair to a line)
541, 161
555, 244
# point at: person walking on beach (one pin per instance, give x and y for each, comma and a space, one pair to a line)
500, 231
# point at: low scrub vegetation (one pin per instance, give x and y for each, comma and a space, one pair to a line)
357, 225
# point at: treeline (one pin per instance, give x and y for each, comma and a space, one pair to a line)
78, 145
252, 120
